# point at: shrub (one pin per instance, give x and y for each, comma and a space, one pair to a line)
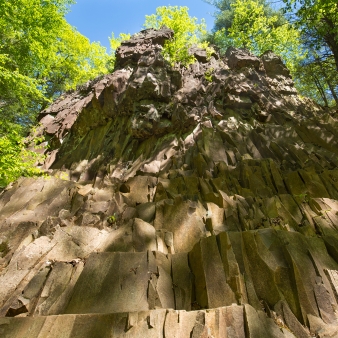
15, 159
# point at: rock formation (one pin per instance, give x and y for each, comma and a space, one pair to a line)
181, 202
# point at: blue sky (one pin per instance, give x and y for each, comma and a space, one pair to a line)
97, 19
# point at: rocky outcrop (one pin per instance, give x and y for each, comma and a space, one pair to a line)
182, 202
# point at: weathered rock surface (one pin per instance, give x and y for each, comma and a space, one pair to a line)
197, 202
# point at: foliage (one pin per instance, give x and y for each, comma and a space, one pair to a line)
41, 55
26, 28
317, 21
115, 42
111, 219
186, 29
114, 219
74, 60
224, 16
15, 159
18, 93
208, 74
251, 28
304, 34
317, 80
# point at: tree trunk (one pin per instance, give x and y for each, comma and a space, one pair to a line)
334, 94
331, 39
320, 89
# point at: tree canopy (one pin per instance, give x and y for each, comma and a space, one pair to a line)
41, 55
15, 159
317, 74
253, 29
224, 15
318, 22
187, 32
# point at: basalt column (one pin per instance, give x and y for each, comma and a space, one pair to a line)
196, 201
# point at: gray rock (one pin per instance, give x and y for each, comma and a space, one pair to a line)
273, 65
239, 58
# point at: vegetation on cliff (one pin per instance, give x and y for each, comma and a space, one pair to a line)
187, 32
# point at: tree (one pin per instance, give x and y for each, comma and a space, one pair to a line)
15, 159
41, 55
253, 29
224, 15
73, 60
258, 27
317, 21
317, 79
187, 32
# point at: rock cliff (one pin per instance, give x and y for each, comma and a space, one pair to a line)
182, 202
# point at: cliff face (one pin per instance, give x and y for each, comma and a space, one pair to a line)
197, 202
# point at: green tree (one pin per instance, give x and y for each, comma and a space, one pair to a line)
317, 21
258, 27
41, 55
317, 79
187, 32
15, 159
73, 60
251, 28
225, 13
